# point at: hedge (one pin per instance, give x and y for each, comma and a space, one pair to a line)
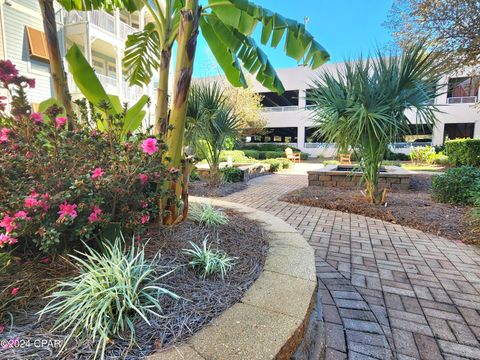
463, 151
457, 185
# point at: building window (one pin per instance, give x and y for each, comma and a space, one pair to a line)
308, 97
462, 90
277, 135
460, 130
310, 136
288, 98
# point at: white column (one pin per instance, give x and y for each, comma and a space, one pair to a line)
302, 102
117, 22
301, 137
119, 72
141, 18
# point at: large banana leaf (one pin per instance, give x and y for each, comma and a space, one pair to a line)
142, 54
84, 76
226, 42
244, 16
134, 116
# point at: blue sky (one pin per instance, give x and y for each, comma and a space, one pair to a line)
346, 28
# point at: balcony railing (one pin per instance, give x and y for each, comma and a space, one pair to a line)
317, 145
462, 100
100, 19
280, 109
109, 83
405, 145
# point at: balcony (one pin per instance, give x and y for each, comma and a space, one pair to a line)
102, 20
462, 100
280, 109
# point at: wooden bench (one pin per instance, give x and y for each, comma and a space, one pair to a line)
294, 157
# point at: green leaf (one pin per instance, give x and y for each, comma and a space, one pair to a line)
84, 76
243, 16
142, 55
129, 5
134, 116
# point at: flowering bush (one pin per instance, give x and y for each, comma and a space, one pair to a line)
60, 186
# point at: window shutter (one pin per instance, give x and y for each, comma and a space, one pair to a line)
37, 44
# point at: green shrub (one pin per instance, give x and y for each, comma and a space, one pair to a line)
206, 214
274, 154
254, 154
269, 147
391, 163
456, 185
231, 175
194, 176
209, 261
424, 154
279, 163
331, 162
237, 156
390, 155
463, 151
113, 289
440, 159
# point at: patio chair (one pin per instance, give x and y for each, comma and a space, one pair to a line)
345, 158
294, 157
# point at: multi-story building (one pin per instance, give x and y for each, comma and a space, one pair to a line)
100, 35
289, 119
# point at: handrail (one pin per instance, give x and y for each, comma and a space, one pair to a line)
280, 108
462, 100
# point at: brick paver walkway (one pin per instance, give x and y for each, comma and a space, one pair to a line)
387, 291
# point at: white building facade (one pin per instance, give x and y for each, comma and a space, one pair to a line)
100, 35
289, 119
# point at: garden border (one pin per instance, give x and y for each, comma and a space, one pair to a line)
270, 320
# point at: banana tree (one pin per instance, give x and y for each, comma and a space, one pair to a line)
59, 79
228, 27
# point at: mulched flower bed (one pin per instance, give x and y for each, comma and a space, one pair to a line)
203, 188
413, 208
202, 299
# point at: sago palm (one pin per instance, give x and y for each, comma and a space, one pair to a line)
364, 104
210, 122
227, 26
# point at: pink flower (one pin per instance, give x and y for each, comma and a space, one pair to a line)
7, 71
95, 214
31, 200
97, 173
60, 121
2, 328
22, 215
143, 178
36, 117
144, 204
15, 291
6, 239
8, 223
144, 219
4, 135
67, 210
45, 260
149, 146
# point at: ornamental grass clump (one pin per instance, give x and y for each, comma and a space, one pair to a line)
206, 214
209, 261
114, 288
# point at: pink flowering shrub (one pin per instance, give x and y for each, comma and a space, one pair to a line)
59, 187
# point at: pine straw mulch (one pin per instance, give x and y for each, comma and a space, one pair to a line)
413, 208
202, 299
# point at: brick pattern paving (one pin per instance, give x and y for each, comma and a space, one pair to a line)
387, 291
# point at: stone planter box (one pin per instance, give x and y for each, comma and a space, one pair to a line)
270, 320
249, 171
393, 178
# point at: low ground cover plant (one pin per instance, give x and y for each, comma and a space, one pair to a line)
231, 174
209, 261
428, 155
206, 214
112, 290
457, 185
463, 151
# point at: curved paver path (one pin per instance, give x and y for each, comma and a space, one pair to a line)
387, 291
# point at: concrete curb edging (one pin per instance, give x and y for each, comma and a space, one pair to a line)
270, 320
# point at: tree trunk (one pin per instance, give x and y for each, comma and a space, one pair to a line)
187, 44
60, 85
161, 107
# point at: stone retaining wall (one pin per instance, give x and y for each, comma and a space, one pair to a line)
270, 320
249, 171
394, 178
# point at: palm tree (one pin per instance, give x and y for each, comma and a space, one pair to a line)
227, 26
364, 105
60, 85
210, 122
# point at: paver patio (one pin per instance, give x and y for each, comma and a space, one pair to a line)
387, 291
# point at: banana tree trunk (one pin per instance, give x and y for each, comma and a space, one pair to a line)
161, 107
187, 44
59, 81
